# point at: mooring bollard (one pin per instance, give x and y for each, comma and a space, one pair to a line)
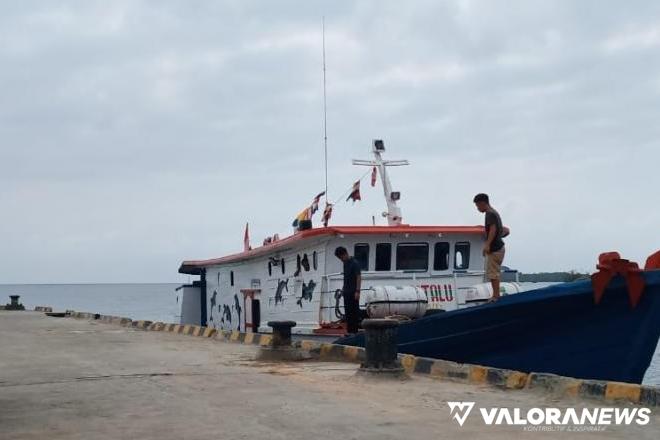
381, 348
280, 348
281, 332
14, 304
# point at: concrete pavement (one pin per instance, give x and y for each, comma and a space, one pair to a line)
72, 379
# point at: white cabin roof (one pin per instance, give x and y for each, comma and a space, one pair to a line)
194, 267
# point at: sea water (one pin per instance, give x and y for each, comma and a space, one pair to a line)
154, 302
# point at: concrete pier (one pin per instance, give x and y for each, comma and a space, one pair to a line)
64, 378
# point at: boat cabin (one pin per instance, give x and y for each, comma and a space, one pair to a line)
299, 278
406, 270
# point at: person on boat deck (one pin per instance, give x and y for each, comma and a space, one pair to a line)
351, 289
494, 246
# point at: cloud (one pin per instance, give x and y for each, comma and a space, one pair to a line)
134, 134
647, 38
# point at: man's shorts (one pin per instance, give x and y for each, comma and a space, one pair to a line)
494, 264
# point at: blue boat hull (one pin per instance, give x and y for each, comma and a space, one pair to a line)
557, 330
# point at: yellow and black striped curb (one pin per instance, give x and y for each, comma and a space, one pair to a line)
208, 332
108, 319
552, 384
191, 330
559, 386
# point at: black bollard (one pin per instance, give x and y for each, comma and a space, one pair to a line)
280, 348
281, 332
381, 347
14, 304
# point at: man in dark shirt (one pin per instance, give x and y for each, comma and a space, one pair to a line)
351, 289
494, 246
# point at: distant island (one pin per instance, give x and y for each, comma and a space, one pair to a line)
551, 277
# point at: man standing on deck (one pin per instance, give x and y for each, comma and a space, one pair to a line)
351, 289
494, 246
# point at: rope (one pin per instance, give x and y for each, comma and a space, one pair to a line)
347, 192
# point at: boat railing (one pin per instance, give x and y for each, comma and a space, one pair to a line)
398, 275
370, 275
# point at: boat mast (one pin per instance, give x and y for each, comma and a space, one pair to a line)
325, 117
393, 213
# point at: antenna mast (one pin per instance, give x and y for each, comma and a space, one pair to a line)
325, 116
393, 213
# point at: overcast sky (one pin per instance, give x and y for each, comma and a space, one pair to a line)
135, 134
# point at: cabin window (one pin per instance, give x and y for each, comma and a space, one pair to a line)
282, 264
305, 263
383, 256
270, 269
231, 277
297, 266
462, 255
315, 262
361, 254
441, 256
412, 256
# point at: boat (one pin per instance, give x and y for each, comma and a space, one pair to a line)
431, 278
408, 270
563, 329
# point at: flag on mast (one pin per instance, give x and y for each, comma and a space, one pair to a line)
246, 238
355, 193
315, 203
302, 215
327, 213
307, 213
374, 174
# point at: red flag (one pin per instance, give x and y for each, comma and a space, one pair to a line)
327, 213
374, 173
315, 203
246, 239
355, 193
